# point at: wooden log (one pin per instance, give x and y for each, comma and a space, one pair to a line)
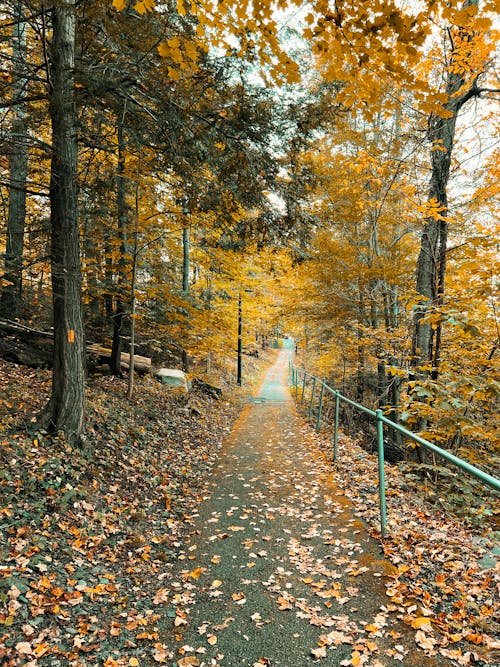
141, 364
39, 351
22, 331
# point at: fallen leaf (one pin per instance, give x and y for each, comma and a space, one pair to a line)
419, 622
188, 661
24, 648
424, 641
196, 573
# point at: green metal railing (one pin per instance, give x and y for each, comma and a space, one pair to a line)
294, 373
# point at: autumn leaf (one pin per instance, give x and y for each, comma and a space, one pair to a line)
161, 596
425, 641
161, 654
188, 661
24, 648
319, 652
144, 6
196, 573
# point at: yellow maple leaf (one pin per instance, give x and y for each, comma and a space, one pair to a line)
371, 628
417, 623
196, 573
140, 7
119, 5
163, 49
356, 658
144, 6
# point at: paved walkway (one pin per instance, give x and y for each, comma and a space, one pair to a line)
279, 571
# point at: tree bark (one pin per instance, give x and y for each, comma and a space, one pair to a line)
135, 261
11, 300
431, 265
185, 284
185, 260
121, 203
65, 411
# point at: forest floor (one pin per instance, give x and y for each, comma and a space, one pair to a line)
104, 551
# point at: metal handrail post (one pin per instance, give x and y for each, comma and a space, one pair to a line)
486, 478
381, 473
312, 397
336, 432
320, 406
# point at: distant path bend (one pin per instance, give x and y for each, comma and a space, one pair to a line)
279, 566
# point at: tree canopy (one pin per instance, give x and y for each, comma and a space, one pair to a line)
161, 159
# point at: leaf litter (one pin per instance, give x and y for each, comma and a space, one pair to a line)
381, 641
87, 536
446, 582
88, 544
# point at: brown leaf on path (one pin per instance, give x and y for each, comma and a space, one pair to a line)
284, 603
224, 624
24, 648
161, 596
180, 618
319, 652
195, 574
424, 641
188, 661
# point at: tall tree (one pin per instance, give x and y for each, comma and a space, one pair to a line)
465, 63
65, 410
121, 205
11, 298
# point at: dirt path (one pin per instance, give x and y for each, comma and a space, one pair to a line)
279, 571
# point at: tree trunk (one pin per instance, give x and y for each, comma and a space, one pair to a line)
431, 265
361, 362
11, 300
135, 261
65, 411
185, 287
185, 260
108, 272
121, 201
91, 280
